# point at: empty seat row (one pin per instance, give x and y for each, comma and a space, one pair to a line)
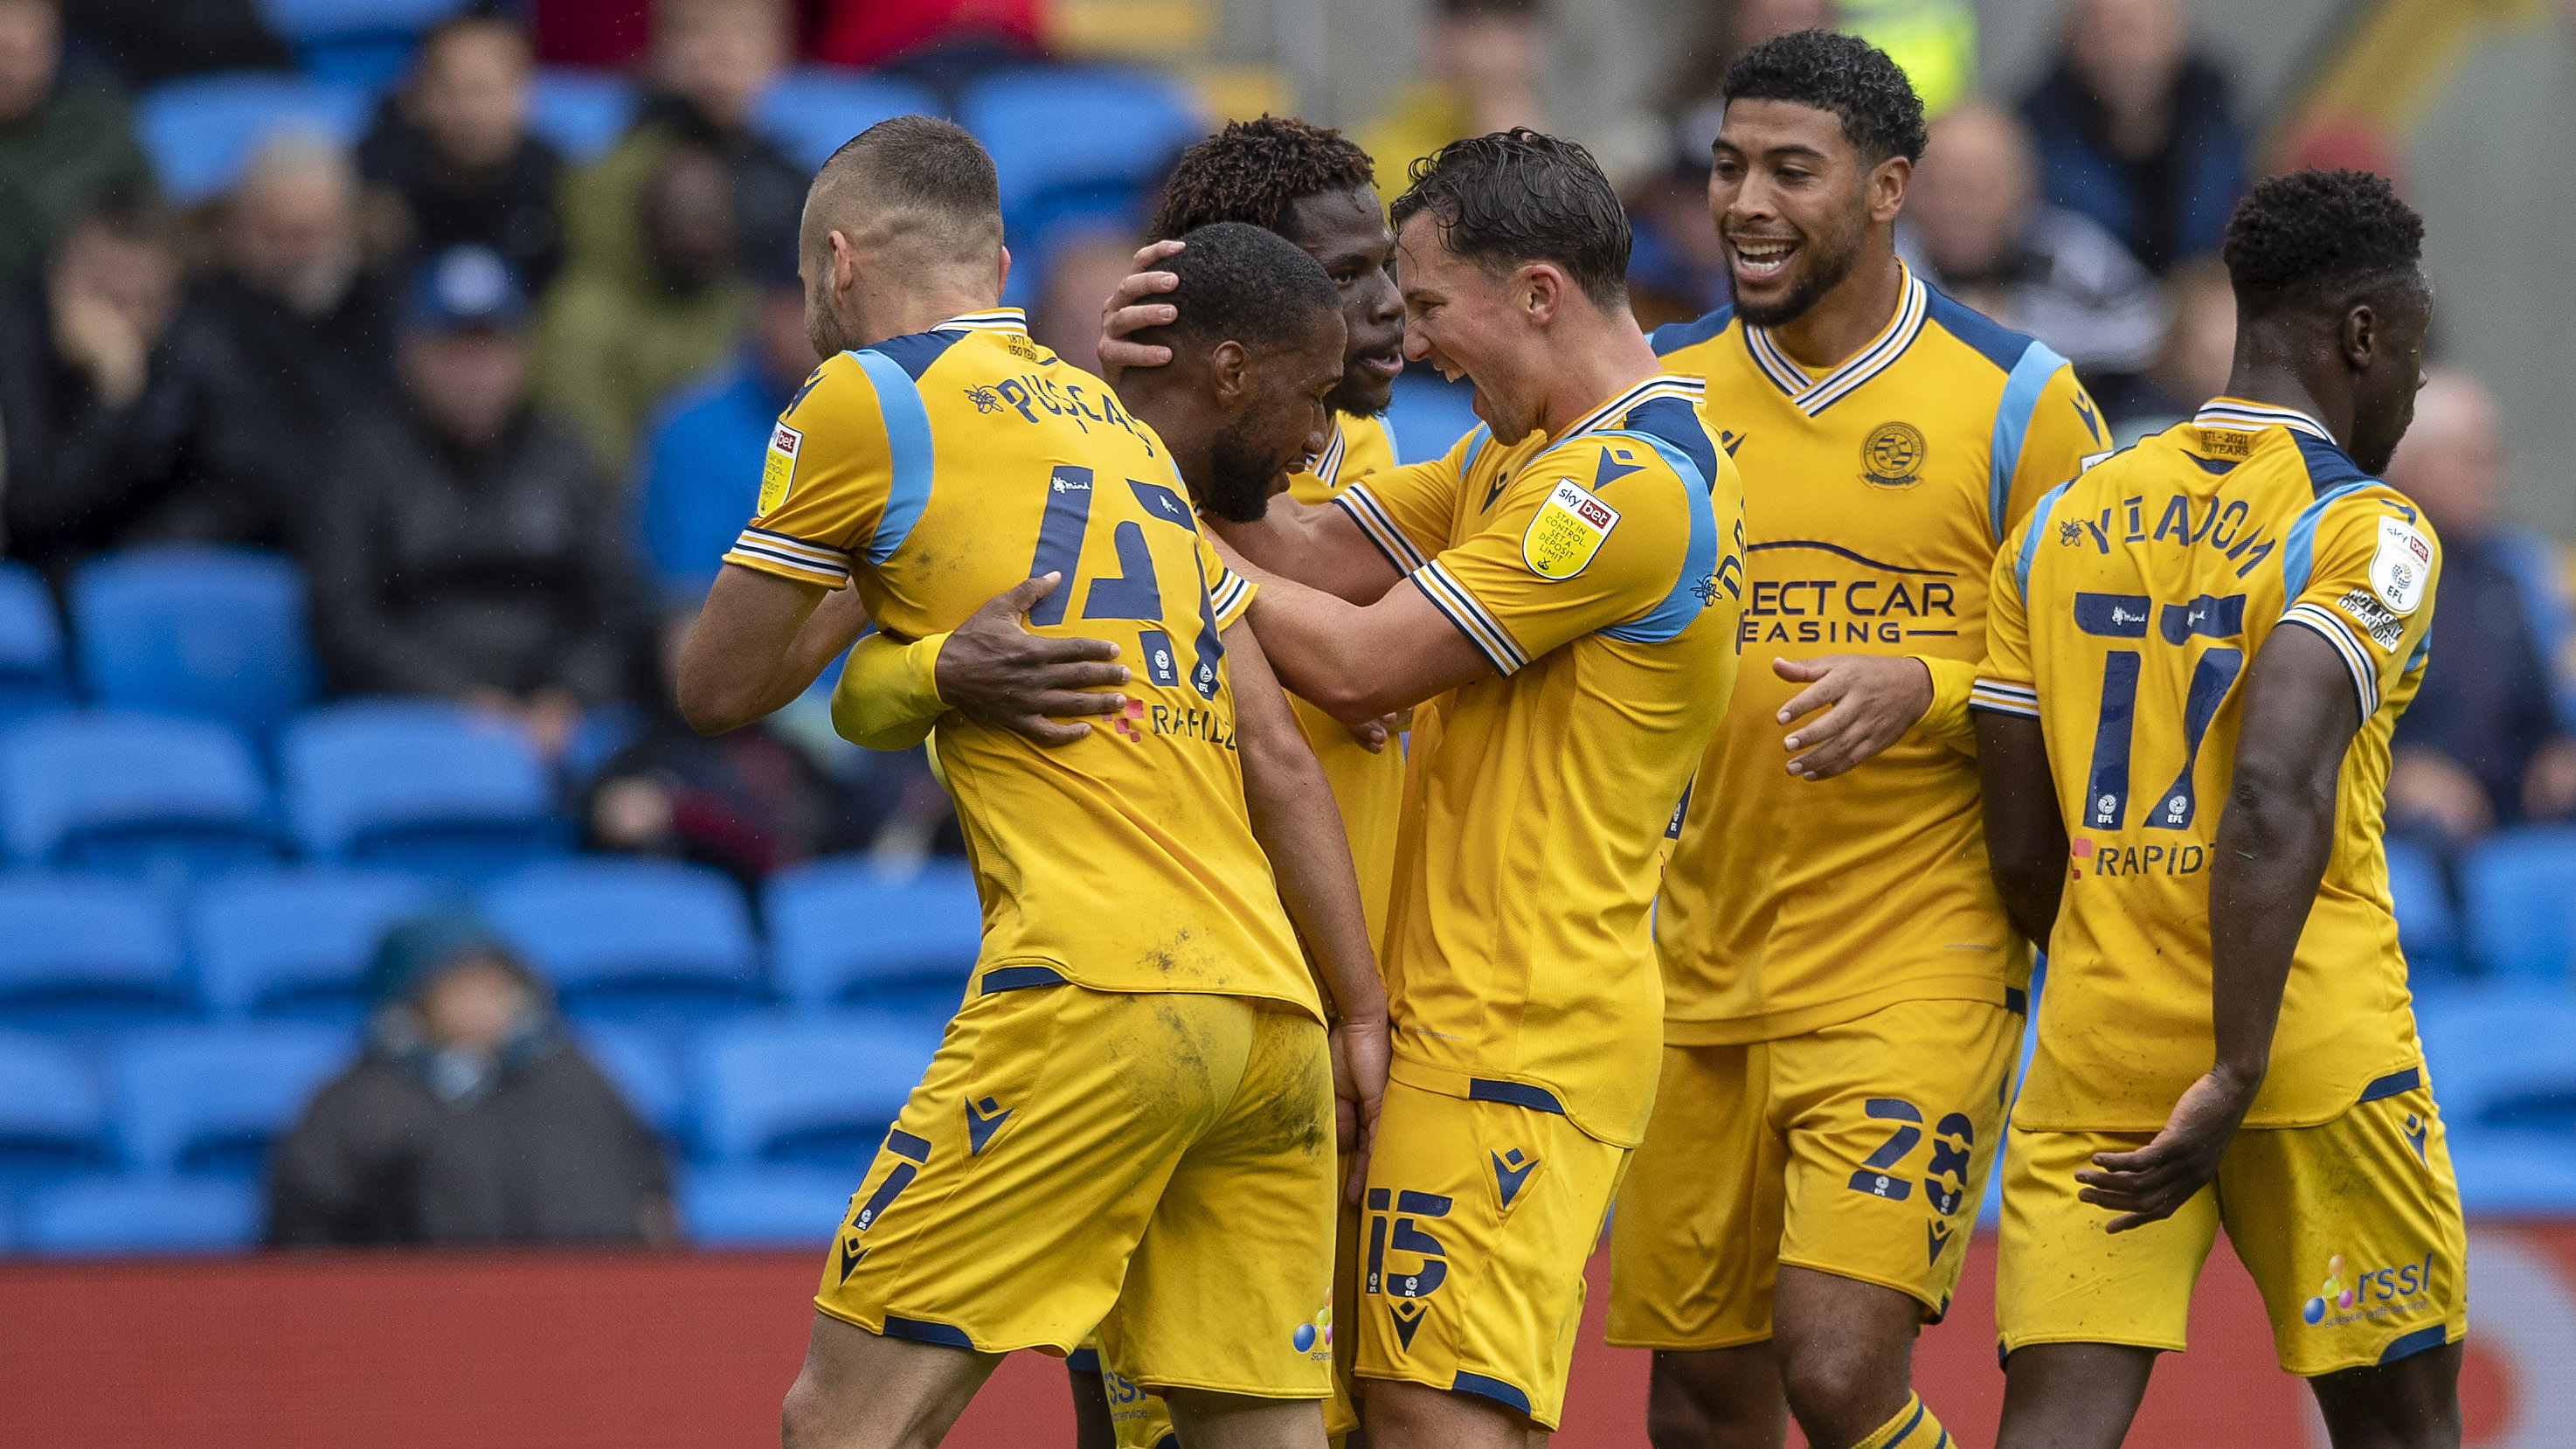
208, 1101
618, 938
188, 629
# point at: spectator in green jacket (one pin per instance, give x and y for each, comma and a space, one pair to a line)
63, 139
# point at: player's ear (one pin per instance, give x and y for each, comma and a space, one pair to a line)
1002, 279
2361, 336
1231, 374
1887, 183
1542, 291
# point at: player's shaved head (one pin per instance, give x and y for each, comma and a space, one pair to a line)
914, 191
1242, 283
1515, 197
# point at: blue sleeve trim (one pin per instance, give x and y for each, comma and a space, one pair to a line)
2031, 531
907, 426
2022, 390
1672, 337
1699, 560
1475, 445
2298, 549
1517, 1094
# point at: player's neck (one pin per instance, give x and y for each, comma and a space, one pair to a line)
2258, 378
1852, 312
898, 312
1590, 360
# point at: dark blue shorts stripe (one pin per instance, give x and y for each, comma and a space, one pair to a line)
907, 1145
2394, 1083
1519, 1094
2411, 1344
2016, 1001
1016, 978
1083, 1360
920, 1331
1494, 1389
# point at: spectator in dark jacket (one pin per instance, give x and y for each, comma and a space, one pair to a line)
2138, 133
2487, 741
471, 1118
113, 402
464, 546
453, 149
149, 41
63, 138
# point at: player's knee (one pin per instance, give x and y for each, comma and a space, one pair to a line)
1830, 1381
804, 1415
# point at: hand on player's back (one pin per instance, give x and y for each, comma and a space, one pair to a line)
1129, 311
995, 671
1874, 699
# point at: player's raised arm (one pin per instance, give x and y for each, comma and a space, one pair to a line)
759, 643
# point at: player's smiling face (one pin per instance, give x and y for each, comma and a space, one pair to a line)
1793, 203
1346, 231
1465, 322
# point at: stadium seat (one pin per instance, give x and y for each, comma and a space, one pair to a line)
1132, 124
202, 130
809, 1093
34, 674
2503, 1059
208, 1100
764, 1207
195, 630
133, 795
1428, 414
582, 112
140, 1216
810, 112
361, 42
632, 939
295, 943
87, 953
2427, 928
53, 1121
643, 1069
2517, 892
2509, 1174
843, 933
417, 785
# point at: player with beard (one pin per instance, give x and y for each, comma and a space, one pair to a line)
1844, 995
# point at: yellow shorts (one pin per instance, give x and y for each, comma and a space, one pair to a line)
1859, 1150
1476, 1224
1077, 1159
2351, 1229
1139, 1416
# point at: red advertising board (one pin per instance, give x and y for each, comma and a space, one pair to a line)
628, 1350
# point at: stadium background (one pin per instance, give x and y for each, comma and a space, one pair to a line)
203, 840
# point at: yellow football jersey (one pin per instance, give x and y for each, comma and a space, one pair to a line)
1369, 788
1874, 499
2126, 611
933, 472
1599, 571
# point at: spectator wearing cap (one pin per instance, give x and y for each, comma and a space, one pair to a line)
2488, 741
453, 149
2138, 132
63, 138
471, 1118
1975, 227
463, 545
612, 347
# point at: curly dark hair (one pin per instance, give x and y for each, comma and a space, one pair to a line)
2313, 235
1844, 74
1517, 196
1254, 171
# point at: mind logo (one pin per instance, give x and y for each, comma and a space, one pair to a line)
1315, 1335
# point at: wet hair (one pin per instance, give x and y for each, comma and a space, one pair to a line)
1844, 74
1516, 197
1255, 171
1243, 283
2318, 238
912, 179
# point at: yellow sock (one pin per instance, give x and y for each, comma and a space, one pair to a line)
1914, 1427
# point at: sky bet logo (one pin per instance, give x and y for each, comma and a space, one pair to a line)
2373, 1294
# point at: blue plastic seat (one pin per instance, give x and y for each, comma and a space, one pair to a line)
842, 933
53, 1121
810, 112
202, 130
189, 629
764, 1207
1132, 123
417, 785
805, 1093
365, 41
133, 794
210, 1099
2427, 928
2509, 1174
632, 939
582, 112
87, 953
140, 1216
644, 1070
1428, 414
35, 674
295, 943
2503, 1060
2518, 893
